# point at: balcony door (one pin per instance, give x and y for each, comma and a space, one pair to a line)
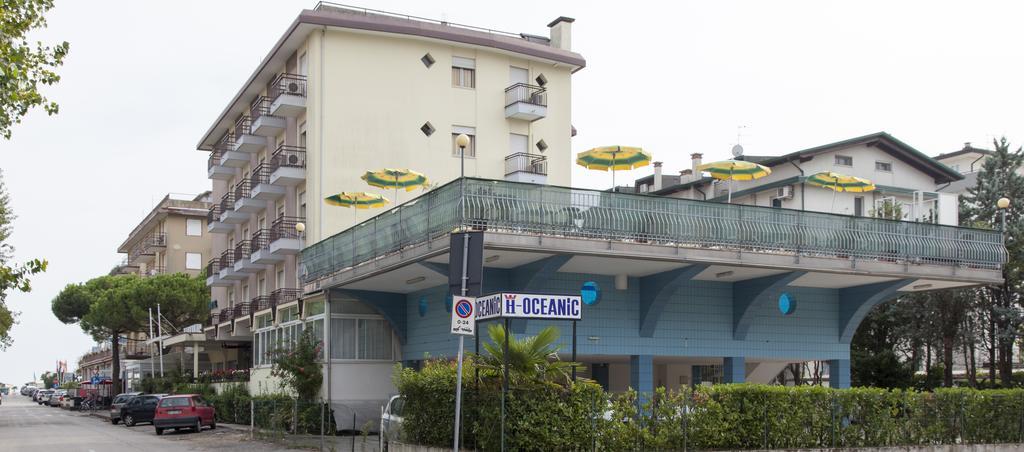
518, 75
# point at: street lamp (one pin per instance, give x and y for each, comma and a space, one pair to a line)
1003, 203
462, 141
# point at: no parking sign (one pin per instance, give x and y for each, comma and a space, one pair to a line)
463, 316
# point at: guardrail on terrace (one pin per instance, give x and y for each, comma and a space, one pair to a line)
530, 209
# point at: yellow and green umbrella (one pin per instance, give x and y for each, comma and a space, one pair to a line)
395, 178
613, 158
356, 200
840, 182
731, 170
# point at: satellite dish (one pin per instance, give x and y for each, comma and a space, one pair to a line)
737, 150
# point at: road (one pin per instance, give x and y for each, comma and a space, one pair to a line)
26, 426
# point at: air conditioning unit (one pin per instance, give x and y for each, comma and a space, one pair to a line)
293, 88
785, 192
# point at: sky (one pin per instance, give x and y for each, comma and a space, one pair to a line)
144, 80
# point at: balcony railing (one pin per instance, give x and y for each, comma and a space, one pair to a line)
260, 175
528, 163
260, 107
292, 84
260, 240
227, 259
214, 159
288, 157
213, 266
154, 270
243, 126
242, 250
540, 210
282, 296
213, 214
260, 303
243, 189
240, 310
226, 142
227, 202
284, 228
152, 241
530, 94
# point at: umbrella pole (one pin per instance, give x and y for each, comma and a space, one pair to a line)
729, 201
833, 208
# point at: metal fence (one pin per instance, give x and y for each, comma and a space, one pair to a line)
531, 209
299, 424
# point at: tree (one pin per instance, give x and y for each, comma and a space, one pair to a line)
108, 307
12, 277
532, 359
873, 358
23, 68
298, 367
998, 178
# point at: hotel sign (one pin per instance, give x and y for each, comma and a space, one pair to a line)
529, 306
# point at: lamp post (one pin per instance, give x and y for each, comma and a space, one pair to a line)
462, 141
1003, 203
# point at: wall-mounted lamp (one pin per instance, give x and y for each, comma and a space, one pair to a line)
416, 280
724, 274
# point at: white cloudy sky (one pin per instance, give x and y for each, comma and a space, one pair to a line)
145, 79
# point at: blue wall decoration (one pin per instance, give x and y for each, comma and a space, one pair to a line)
590, 292
423, 306
786, 303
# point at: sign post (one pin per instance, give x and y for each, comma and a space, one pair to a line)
464, 307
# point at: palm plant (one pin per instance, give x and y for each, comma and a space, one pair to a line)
532, 360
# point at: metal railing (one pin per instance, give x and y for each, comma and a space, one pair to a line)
526, 93
327, 6
242, 250
260, 107
213, 215
284, 295
243, 126
214, 159
240, 310
526, 163
154, 270
541, 210
260, 240
243, 189
260, 175
213, 267
284, 228
227, 259
292, 84
227, 202
289, 157
226, 142
260, 303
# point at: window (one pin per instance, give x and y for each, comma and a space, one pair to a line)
518, 143
173, 401
883, 166
280, 279
858, 206
463, 72
303, 64
471, 149
358, 333
518, 75
194, 227
261, 286
193, 261
776, 203
844, 160
302, 204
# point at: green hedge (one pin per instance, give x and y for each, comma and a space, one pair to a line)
272, 413
745, 416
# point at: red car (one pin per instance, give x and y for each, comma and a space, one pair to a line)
183, 411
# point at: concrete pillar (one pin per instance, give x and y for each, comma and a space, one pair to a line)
695, 377
641, 373
734, 370
839, 373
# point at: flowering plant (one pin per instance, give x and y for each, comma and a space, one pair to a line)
298, 368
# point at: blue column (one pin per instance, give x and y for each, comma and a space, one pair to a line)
839, 373
695, 378
734, 370
641, 373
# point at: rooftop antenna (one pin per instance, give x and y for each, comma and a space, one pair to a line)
737, 150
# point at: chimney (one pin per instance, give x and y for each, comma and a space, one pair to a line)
967, 145
695, 157
685, 176
561, 32
657, 176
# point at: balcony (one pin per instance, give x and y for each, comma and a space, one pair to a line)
242, 262
566, 220
526, 102
244, 201
213, 274
261, 303
228, 214
288, 95
262, 122
145, 251
288, 165
524, 167
153, 270
125, 267
245, 140
261, 187
240, 312
284, 240
284, 296
227, 267
230, 157
213, 223
259, 249
216, 170
224, 316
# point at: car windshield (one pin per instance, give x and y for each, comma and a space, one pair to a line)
174, 401
120, 399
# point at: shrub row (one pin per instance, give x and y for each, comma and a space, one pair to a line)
272, 413
745, 416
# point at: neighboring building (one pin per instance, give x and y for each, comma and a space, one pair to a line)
968, 162
903, 176
345, 91
172, 238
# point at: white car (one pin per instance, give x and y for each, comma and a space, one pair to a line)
391, 421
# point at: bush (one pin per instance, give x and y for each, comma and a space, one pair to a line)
743, 416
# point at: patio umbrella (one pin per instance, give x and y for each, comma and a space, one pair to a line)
356, 200
840, 182
614, 158
735, 170
395, 178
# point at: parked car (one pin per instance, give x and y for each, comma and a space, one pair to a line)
118, 403
69, 401
184, 411
391, 421
140, 409
43, 396
55, 398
